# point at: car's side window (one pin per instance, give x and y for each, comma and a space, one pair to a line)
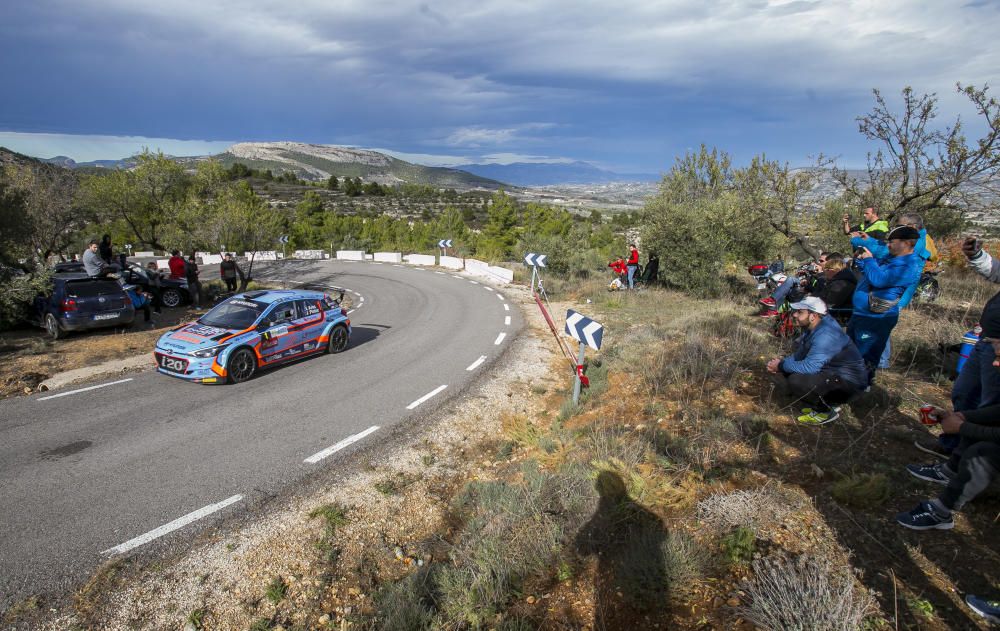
308, 308
284, 312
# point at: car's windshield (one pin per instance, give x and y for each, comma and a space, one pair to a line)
235, 313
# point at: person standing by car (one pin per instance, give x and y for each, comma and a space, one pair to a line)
230, 271
155, 285
178, 269
105, 248
194, 285
93, 264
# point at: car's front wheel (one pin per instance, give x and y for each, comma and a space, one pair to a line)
171, 297
338, 339
241, 366
52, 327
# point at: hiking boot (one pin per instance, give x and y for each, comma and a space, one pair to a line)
989, 609
932, 446
935, 473
925, 517
815, 417
768, 302
770, 313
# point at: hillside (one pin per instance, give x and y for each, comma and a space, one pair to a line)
548, 173
319, 162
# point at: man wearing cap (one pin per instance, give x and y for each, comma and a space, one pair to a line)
877, 297
826, 369
871, 225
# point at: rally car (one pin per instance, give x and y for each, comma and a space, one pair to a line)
253, 330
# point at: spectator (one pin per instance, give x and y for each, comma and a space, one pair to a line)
838, 285
105, 248
633, 265
194, 285
155, 286
178, 269
230, 271
772, 302
876, 299
870, 225
971, 468
978, 384
652, 271
93, 264
825, 370
140, 300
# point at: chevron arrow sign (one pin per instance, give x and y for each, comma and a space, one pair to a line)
283, 238
584, 330
444, 243
535, 260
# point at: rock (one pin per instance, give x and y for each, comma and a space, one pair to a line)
190, 627
324, 619
733, 602
816, 471
531, 600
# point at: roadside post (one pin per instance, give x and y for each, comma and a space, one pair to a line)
535, 261
128, 246
588, 333
538, 293
444, 244
283, 239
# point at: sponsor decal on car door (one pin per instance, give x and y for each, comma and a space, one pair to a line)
310, 324
278, 340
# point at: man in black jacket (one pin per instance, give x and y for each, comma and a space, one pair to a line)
971, 468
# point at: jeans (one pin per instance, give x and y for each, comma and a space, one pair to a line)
978, 385
883, 361
783, 290
631, 275
870, 335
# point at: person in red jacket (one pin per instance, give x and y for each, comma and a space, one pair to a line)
620, 269
633, 265
178, 269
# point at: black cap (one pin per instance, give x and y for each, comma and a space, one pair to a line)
903, 232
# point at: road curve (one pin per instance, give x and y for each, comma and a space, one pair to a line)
146, 463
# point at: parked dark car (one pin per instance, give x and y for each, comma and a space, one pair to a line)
78, 302
174, 290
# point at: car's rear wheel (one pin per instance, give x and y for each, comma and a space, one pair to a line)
338, 339
241, 366
52, 327
171, 297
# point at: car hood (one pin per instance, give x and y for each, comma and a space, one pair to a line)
193, 337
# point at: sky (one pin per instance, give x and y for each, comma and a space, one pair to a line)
627, 86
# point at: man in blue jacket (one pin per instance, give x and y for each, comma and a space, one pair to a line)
876, 300
826, 369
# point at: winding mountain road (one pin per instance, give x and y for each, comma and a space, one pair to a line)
146, 461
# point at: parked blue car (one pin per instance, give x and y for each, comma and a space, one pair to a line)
253, 330
78, 302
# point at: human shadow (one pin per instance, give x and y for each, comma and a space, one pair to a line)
630, 587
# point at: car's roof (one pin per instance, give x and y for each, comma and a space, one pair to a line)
271, 296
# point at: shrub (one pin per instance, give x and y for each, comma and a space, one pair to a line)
745, 508
276, 590
805, 594
861, 490
739, 545
406, 605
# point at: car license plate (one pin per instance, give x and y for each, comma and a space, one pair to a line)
106, 316
173, 364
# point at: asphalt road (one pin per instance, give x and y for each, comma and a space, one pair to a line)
86, 475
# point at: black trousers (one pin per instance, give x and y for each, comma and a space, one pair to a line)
230, 284
976, 464
821, 390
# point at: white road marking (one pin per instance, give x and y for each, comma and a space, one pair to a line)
506, 307
441, 273
362, 299
396, 265
420, 269
506, 321
350, 311
426, 396
350, 440
457, 276
376, 263
488, 288
180, 522
500, 339
477, 363
499, 296
474, 282
66, 394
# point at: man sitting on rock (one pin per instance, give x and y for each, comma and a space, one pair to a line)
826, 370
973, 465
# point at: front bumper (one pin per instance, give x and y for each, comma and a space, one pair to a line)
195, 369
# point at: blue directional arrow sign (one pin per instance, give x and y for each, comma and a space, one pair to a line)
444, 243
584, 330
535, 260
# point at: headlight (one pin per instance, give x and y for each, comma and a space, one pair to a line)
209, 352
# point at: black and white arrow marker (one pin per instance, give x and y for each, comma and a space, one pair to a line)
444, 243
534, 260
584, 330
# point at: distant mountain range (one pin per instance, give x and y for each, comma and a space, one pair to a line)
549, 173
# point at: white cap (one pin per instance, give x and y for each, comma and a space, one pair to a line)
810, 303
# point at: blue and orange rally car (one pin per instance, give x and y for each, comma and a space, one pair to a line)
252, 330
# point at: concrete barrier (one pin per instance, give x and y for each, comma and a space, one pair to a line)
451, 262
420, 259
162, 264
485, 270
144, 255
388, 257
211, 259
350, 255
501, 274
265, 255
308, 254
